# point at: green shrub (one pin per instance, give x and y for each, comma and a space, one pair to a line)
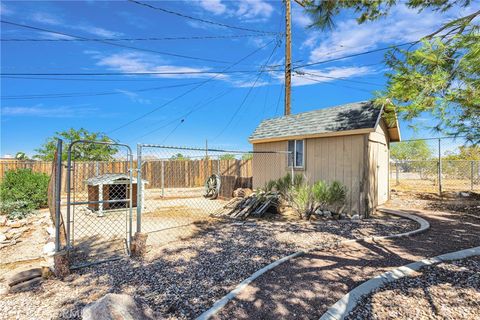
15, 209
23, 190
302, 200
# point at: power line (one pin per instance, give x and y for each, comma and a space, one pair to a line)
87, 94
174, 129
197, 107
188, 91
247, 94
356, 54
199, 19
137, 73
334, 84
79, 79
138, 39
112, 43
301, 72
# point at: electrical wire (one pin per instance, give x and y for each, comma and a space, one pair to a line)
188, 91
87, 94
334, 84
240, 106
233, 36
136, 73
300, 72
112, 43
198, 19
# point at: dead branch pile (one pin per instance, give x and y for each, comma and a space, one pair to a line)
253, 205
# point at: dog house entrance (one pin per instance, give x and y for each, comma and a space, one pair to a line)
118, 192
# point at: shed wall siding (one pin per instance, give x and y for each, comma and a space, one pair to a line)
378, 165
331, 158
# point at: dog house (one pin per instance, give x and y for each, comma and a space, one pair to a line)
113, 190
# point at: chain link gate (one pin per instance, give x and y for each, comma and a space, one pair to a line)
100, 198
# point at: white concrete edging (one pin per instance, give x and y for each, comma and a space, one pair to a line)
219, 304
349, 301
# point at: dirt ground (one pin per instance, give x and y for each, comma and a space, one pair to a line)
23, 247
182, 278
448, 290
456, 202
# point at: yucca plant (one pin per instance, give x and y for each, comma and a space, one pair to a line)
302, 201
337, 195
321, 194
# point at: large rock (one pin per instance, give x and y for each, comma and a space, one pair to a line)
114, 307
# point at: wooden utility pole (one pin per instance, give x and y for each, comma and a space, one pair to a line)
288, 57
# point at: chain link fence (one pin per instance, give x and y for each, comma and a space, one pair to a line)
99, 202
174, 193
434, 165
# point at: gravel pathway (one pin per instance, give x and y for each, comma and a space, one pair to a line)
442, 291
182, 279
305, 287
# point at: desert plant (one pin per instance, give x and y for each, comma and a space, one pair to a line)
321, 194
24, 190
15, 209
303, 201
337, 193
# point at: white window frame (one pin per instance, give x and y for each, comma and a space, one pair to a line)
295, 154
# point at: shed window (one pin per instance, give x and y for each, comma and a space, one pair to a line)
296, 147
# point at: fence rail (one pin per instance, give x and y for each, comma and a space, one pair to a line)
189, 172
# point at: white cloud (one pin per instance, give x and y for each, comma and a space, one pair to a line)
403, 25
249, 10
134, 97
46, 18
329, 75
100, 32
299, 17
138, 62
43, 112
254, 9
214, 6
4, 11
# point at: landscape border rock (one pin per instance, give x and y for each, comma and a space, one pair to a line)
219, 304
115, 306
348, 302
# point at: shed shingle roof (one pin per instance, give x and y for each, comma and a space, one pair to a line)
352, 116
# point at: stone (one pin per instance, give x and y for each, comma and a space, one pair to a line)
24, 276
355, 217
3, 291
115, 306
49, 249
16, 224
319, 212
27, 285
327, 214
51, 231
465, 194
3, 237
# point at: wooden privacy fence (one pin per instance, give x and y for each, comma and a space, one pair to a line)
158, 173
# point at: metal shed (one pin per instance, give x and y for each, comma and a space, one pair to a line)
111, 186
348, 143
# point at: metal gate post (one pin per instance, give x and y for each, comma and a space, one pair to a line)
69, 169
139, 188
397, 174
58, 194
471, 175
130, 197
439, 167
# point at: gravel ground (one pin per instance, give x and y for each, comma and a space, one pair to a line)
443, 291
305, 287
183, 279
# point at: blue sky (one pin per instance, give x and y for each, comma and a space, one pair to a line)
224, 110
